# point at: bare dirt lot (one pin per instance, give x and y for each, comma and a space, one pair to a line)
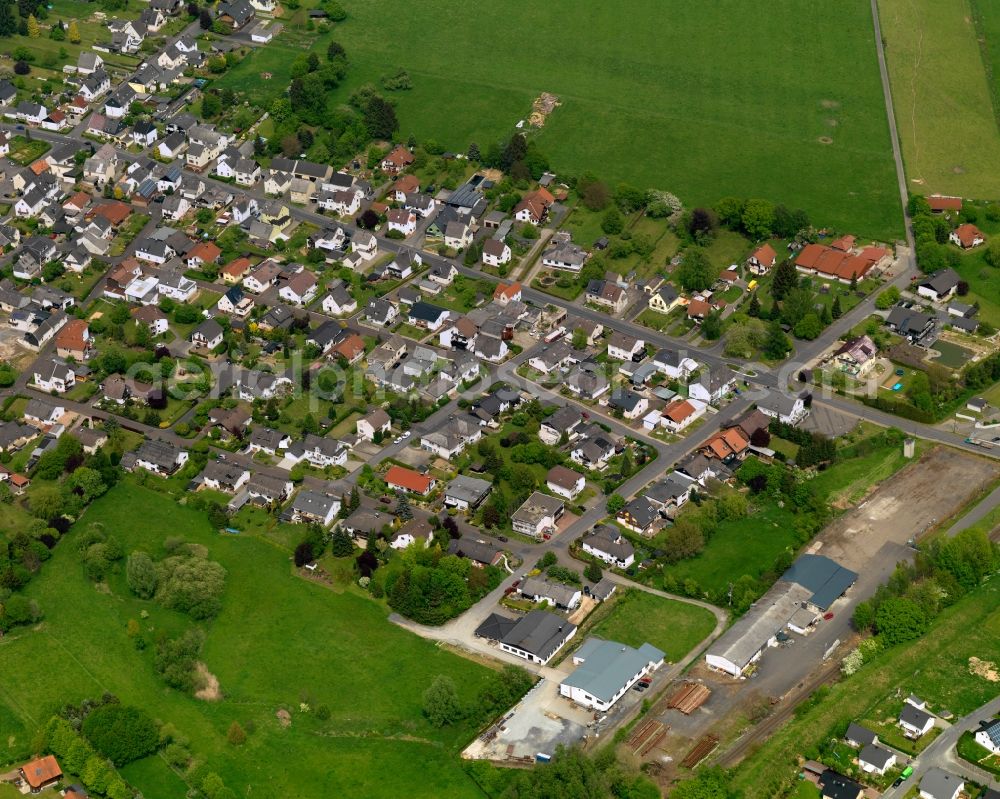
915, 500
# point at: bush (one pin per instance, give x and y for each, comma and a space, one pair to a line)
22, 67
441, 703
121, 733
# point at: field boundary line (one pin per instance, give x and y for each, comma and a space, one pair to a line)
976, 14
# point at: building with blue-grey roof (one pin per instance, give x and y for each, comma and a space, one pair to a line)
827, 579
605, 670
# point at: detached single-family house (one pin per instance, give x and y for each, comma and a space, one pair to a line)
538, 515
608, 545
780, 406
873, 759
939, 286
967, 236
496, 252
376, 421
762, 260
565, 482
940, 784
466, 493
623, 347
988, 736
914, 719
399, 477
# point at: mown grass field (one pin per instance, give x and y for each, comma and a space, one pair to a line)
935, 667
279, 642
639, 617
947, 124
702, 100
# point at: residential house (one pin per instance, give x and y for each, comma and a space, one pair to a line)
940, 784
374, 423
538, 515
728, 445
323, 452
224, 476
939, 286
565, 482
313, 507
967, 236
160, 457
639, 515
535, 637
466, 493
338, 300
235, 303
364, 244
153, 318
624, 347
784, 408
664, 299
300, 289
451, 438
401, 221
914, 719
425, 315
712, 387
630, 404
558, 595
457, 235
253, 384
40, 773
397, 160
675, 364
608, 545
988, 736
381, 312
404, 479
564, 255
534, 207
679, 414
564, 422
54, 376
74, 340
606, 294
874, 759
856, 356
208, 335
496, 253
762, 260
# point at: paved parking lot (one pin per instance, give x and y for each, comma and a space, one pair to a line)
829, 422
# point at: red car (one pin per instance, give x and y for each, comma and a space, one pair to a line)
827, 616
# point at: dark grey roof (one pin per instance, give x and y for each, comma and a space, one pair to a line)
914, 716
876, 756
539, 633
426, 312
837, 786
860, 735
943, 281
992, 730
495, 627
826, 578
939, 784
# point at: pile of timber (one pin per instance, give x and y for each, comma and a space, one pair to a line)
701, 750
689, 697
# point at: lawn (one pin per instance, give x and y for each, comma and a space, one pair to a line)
849, 480
671, 106
950, 139
935, 667
639, 617
278, 642
748, 546
24, 151
984, 285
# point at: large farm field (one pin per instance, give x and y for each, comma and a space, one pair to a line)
279, 643
950, 139
702, 100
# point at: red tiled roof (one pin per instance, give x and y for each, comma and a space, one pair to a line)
408, 479
399, 157
939, 202
509, 291
678, 410
967, 234
237, 267
40, 772
407, 184
844, 243
206, 250
115, 212
72, 336
41, 165
698, 309
765, 254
